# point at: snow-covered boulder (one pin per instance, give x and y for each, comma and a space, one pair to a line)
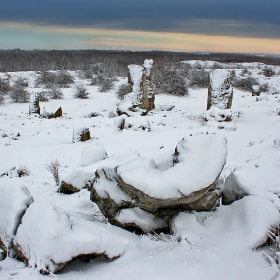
34, 106
91, 154
197, 163
56, 114
81, 135
245, 224
186, 182
14, 200
220, 91
49, 237
137, 218
256, 91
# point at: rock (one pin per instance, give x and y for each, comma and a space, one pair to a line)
136, 218
56, 114
59, 237
233, 189
34, 106
256, 91
142, 97
93, 115
81, 135
220, 91
120, 122
162, 190
14, 200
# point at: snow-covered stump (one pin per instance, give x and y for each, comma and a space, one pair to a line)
142, 97
81, 135
59, 237
14, 200
220, 92
34, 106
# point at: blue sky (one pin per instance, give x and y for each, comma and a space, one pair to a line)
189, 25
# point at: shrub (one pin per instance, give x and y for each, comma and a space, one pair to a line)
63, 79
23, 171
244, 83
21, 82
55, 93
4, 86
96, 80
264, 87
43, 96
19, 94
123, 90
1, 97
47, 79
198, 79
268, 72
80, 92
105, 85
54, 168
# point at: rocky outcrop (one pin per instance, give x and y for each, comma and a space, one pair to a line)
142, 97
14, 200
140, 183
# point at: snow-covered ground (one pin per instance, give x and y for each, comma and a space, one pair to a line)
208, 245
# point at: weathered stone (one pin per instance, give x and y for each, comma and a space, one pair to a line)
220, 92
81, 135
68, 188
34, 106
56, 114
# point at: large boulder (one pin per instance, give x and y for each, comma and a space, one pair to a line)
14, 200
81, 135
186, 183
220, 91
48, 238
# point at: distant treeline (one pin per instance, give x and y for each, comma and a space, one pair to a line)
115, 61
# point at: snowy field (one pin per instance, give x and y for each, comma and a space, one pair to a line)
205, 245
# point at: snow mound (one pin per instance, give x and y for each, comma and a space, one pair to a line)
198, 162
217, 114
92, 154
58, 237
14, 200
243, 224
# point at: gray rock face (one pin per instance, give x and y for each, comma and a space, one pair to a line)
220, 91
233, 190
141, 184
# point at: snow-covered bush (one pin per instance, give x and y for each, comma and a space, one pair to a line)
4, 86
268, 72
55, 93
96, 79
21, 82
245, 83
105, 85
170, 81
43, 95
1, 97
80, 92
198, 79
123, 90
19, 94
46, 79
63, 79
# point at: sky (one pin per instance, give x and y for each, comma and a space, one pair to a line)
246, 26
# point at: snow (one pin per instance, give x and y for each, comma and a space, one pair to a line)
217, 114
14, 201
148, 65
200, 154
145, 220
253, 154
136, 72
93, 153
58, 236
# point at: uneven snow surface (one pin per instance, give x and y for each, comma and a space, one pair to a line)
214, 245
